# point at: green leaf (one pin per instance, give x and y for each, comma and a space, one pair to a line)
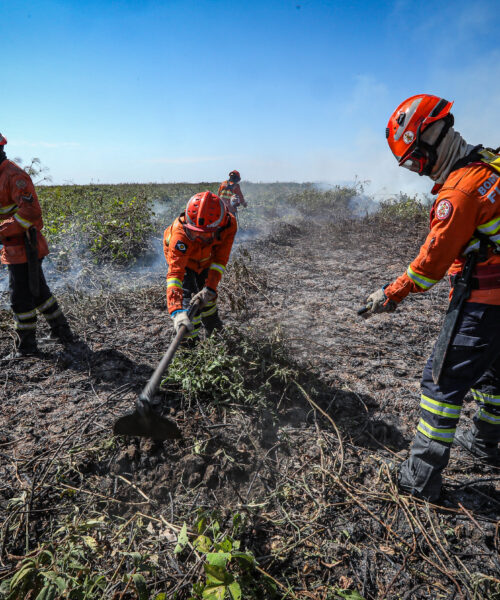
202, 543
161, 596
90, 542
218, 559
214, 592
235, 590
217, 575
244, 556
140, 586
182, 540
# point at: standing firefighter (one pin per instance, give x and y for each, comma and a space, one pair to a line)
231, 193
24, 247
197, 247
464, 239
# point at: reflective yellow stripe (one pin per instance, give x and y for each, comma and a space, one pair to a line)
423, 282
49, 302
434, 433
26, 315
484, 415
490, 227
217, 267
7, 209
485, 398
440, 408
24, 326
209, 312
23, 222
173, 282
53, 315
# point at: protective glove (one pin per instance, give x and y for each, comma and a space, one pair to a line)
181, 318
378, 303
204, 297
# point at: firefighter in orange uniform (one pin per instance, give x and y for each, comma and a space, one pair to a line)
24, 248
464, 219
231, 193
197, 247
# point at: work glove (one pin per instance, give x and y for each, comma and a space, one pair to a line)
378, 303
181, 318
204, 297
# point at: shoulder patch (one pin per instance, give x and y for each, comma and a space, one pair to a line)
444, 209
28, 198
21, 184
181, 246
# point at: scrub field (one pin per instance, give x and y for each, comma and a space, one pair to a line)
292, 419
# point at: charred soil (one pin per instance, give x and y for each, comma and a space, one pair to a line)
293, 420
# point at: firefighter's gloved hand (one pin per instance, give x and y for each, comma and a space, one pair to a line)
181, 318
204, 297
378, 303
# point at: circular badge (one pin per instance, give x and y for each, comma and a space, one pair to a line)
21, 184
443, 210
408, 137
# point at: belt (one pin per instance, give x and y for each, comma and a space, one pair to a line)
485, 278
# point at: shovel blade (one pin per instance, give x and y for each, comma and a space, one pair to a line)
151, 425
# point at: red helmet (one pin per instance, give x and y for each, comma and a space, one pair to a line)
235, 176
3, 140
205, 213
406, 125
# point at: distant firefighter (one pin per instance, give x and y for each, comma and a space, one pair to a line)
197, 247
231, 193
464, 239
24, 248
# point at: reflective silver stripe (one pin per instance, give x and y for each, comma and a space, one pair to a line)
434, 433
196, 320
209, 312
440, 408
23, 222
491, 227
486, 398
24, 326
424, 282
26, 315
483, 415
4, 210
217, 267
409, 114
53, 315
49, 302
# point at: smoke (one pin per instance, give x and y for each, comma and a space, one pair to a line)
70, 268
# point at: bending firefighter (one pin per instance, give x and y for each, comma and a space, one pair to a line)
197, 247
464, 239
24, 248
231, 194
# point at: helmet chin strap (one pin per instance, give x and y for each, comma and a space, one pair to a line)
430, 149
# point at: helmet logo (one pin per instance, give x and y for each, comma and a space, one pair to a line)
408, 137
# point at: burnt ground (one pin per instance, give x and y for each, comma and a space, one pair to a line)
305, 463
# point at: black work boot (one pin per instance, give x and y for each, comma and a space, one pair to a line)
484, 451
24, 344
60, 330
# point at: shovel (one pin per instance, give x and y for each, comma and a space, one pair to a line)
144, 421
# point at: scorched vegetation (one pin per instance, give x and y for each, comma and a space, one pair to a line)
293, 419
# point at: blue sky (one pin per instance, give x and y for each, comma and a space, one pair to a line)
182, 90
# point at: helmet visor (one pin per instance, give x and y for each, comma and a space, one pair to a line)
199, 236
415, 161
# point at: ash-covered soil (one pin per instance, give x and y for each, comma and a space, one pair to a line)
309, 469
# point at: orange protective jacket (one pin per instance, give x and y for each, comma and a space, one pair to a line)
227, 190
182, 253
468, 200
19, 210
